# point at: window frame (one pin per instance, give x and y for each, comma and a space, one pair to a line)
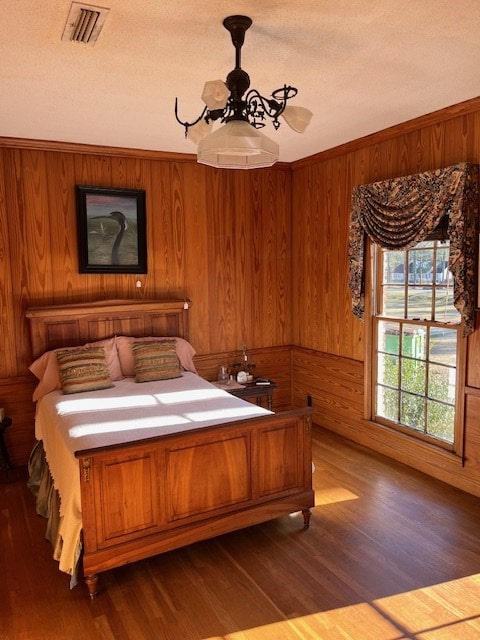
374, 276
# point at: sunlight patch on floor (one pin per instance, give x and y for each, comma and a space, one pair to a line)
450, 610
447, 610
332, 495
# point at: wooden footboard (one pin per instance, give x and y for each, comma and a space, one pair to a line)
149, 497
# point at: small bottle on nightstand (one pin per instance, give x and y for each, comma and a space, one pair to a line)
223, 375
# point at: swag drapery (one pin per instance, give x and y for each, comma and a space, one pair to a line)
401, 212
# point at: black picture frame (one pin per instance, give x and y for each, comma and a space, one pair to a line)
111, 227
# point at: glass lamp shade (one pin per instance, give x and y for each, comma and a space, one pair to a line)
237, 145
198, 131
297, 118
215, 94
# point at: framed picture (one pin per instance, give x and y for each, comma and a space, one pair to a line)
111, 227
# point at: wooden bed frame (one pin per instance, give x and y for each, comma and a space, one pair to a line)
151, 496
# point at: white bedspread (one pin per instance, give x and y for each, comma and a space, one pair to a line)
127, 412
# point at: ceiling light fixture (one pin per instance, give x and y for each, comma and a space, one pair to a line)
239, 144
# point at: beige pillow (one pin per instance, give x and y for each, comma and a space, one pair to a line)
83, 369
155, 361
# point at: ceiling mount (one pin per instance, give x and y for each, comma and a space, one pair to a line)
238, 144
237, 25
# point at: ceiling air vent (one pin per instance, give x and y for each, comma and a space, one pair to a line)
84, 23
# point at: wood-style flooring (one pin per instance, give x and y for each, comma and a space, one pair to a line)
390, 555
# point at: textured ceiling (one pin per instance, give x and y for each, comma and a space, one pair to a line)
359, 65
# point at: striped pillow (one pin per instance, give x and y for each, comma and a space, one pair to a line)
155, 361
83, 369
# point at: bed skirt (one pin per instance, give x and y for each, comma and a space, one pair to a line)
47, 504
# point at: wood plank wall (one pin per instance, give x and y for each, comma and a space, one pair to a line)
220, 238
329, 352
262, 255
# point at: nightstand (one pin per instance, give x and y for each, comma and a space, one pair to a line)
251, 390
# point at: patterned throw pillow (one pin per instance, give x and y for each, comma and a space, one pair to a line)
83, 369
45, 368
155, 361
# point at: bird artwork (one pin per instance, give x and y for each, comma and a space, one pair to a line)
111, 230
107, 240
121, 219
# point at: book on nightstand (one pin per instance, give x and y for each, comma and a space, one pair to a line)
230, 385
262, 382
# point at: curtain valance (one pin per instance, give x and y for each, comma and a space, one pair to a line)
399, 213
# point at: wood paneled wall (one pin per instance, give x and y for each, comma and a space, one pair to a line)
329, 352
262, 254
221, 238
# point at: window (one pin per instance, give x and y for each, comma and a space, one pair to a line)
416, 341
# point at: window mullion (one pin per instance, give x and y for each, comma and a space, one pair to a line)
406, 271
427, 376
434, 276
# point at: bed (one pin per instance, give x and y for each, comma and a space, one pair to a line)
134, 481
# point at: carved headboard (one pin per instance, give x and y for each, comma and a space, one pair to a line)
75, 324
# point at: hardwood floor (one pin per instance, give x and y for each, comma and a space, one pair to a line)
390, 555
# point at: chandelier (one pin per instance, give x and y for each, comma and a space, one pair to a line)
239, 143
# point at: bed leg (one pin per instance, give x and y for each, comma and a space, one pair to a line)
306, 518
91, 582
